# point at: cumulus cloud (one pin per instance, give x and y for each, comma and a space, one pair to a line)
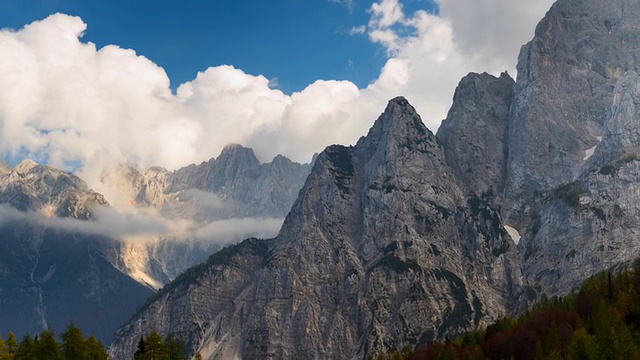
68, 103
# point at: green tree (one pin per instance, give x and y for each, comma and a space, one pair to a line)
26, 349
175, 347
73, 344
12, 344
155, 348
141, 350
47, 348
95, 349
583, 346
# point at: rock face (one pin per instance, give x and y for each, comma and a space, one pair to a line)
52, 273
381, 249
563, 93
591, 224
475, 132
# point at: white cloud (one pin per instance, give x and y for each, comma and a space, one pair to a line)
350, 4
66, 99
146, 225
357, 30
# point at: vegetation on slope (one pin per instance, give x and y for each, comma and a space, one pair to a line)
45, 346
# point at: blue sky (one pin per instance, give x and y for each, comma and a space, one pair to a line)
293, 41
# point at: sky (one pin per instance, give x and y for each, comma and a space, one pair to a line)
87, 85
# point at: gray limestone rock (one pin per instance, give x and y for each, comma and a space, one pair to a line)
566, 75
590, 224
475, 132
381, 249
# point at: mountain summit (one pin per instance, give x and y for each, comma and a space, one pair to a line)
380, 239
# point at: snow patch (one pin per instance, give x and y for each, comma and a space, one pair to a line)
515, 235
589, 152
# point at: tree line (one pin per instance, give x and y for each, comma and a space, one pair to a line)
73, 345
44, 346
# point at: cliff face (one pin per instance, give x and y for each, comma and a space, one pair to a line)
475, 132
590, 224
566, 75
381, 249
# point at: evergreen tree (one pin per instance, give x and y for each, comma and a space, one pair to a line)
155, 348
73, 344
4, 353
95, 349
175, 347
47, 348
26, 349
140, 350
12, 344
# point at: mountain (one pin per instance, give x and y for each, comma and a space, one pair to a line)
379, 239
405, 236
557, 147
233, 191
61, 261
51, 273
563, 94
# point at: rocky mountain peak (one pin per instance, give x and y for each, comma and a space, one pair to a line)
235, 152
25, 166
398, 125
32, 187
379, 232
474, 134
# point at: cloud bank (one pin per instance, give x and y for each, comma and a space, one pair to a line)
142, 226
68, 103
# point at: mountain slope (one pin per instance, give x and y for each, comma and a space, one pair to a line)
379, 233
51, 273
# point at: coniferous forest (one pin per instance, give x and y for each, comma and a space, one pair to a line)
74, 346
601, 320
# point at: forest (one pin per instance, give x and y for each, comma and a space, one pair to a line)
74, 346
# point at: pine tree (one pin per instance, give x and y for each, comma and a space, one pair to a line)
175, 347
155, 348
141, 350
95, 349
73, 344
4, 353
26, 349
47, 348
12, 344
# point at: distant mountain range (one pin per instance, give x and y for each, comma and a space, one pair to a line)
65, 256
